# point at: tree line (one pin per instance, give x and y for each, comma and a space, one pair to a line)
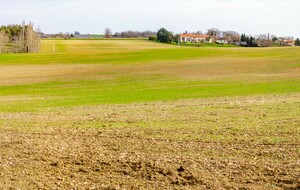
106, 34
128, 34
19, 39
214, 36
134, 34
231, 37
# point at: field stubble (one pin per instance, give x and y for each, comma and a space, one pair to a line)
224, 143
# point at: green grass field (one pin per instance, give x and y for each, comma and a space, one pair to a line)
76, 73
135, 114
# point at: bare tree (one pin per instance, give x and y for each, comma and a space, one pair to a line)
107, 33
198, 32
135, 34
3, 40
19, 43
264, 40
214, 33
28, 40
231, 36
32, 39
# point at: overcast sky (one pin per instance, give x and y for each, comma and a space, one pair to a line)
280, 17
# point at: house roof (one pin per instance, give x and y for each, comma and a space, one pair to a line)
194, 35
221, 38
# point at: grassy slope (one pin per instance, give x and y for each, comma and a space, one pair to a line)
103, 72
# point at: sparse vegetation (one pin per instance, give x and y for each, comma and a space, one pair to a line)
19, 39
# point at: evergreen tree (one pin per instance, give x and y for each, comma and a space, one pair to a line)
247, 39
297, 42
164, 36
274, 39
243, 38
251, 41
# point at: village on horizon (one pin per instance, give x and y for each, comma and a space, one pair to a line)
25, 39
212, 36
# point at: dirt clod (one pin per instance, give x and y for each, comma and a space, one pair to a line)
180, 169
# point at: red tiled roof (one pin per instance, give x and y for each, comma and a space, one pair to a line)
194, 35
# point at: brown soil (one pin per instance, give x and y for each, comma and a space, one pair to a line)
129, 156
130, 159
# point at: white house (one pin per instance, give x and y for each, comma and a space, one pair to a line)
195, 38
221, 40
285, 42
289, 42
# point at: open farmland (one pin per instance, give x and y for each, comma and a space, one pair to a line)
134, 114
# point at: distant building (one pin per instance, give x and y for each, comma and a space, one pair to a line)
195, 38
221, 40
289, 42
285, 42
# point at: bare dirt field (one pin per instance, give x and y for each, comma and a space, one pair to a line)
224, 143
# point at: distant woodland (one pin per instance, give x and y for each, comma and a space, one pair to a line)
19, 39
